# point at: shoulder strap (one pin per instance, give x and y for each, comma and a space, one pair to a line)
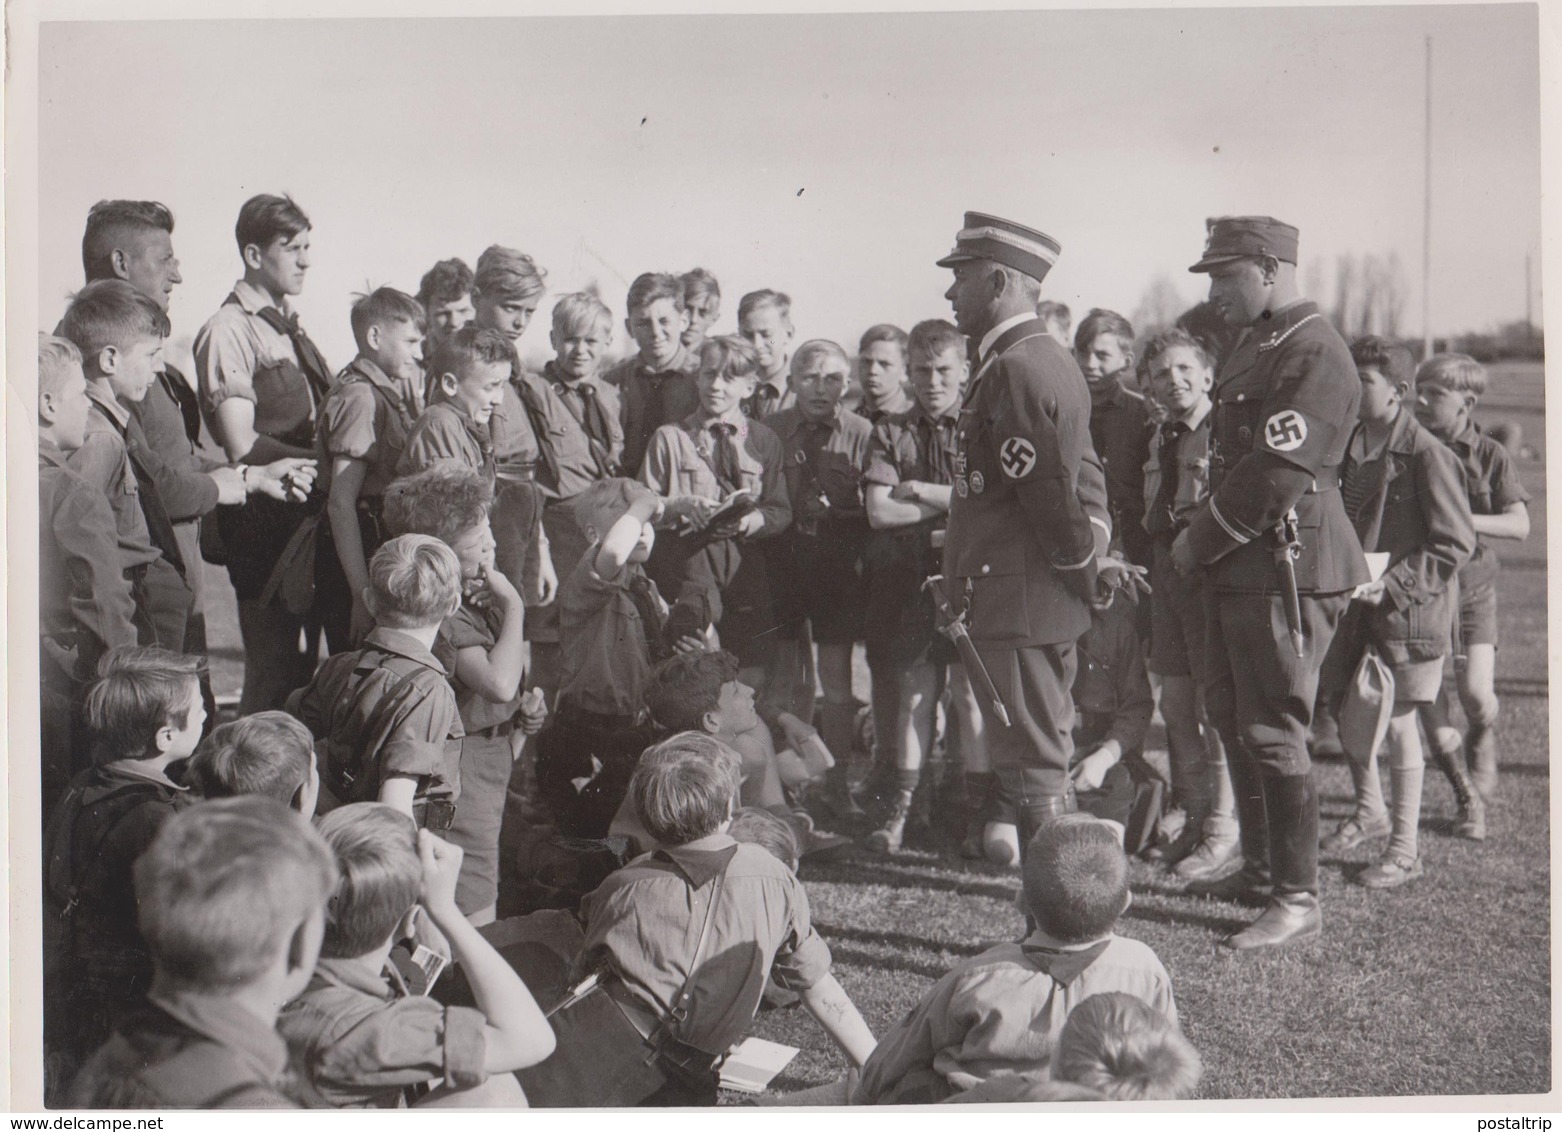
680, 1003
395, 696
66, 877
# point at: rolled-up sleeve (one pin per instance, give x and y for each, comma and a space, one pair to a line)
225, 361
408, 1042
348, 423
803, 957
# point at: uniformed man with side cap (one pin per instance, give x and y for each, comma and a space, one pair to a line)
1285, 402
1028, 515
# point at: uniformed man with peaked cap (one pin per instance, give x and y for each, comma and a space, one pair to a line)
1028, 514
1285, 402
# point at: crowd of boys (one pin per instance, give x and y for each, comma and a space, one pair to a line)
620, 602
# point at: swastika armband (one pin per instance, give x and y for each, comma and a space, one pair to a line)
1017, 457
1285, 431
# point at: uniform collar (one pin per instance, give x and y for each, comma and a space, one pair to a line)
457, 410
554, 376
990, 339
678, 365
789, 422
403, 645
1466, 437
700, 421
101, 394
701, 861
254, 300
228, 1024
124, 771
400, 392
1270, 332
902, 402
918, 414
1195, 416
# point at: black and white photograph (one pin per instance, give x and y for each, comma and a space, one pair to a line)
622, 557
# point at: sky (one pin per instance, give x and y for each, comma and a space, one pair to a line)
828, 156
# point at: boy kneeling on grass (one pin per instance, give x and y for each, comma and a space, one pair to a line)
361, 1037
1001, 1012
682, 940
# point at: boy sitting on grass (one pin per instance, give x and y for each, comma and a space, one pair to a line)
1113, 1048
144, 713
1001, 1012
384, 715
684, 938
361, 1037
232, 906
268, 753
482, 646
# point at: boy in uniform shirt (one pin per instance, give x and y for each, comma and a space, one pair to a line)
656, 386
911, 470
1176, 481
695, 466
120, 333
702, 302
1118, 423
363, 431
1448, 387
507, 288
85, 602
587, 441
467, 375
816, 564
261, 381
881, 368
765, 323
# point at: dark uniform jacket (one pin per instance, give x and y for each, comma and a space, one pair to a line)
1026, 470
1285, 403
1120, 433
1415, 509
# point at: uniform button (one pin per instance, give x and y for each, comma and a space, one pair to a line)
1241, 396
986, 569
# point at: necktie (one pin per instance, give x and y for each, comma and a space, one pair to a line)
310, 360
729, 464
763, 401
937, 451
593, 421
1163, 517
650, 617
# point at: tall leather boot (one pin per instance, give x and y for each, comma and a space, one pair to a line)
1293, 913
1038, 812
1471, 822
1251, 884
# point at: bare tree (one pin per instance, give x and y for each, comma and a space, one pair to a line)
1158, 307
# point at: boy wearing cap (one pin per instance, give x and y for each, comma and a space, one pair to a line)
1285, 402
1025, 465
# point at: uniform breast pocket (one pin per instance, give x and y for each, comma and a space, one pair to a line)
998, 605
282, 400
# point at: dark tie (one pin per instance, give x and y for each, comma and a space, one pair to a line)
729, 463
650, 617
594, 422
764, 400
310, 360
1163, 516
937, 451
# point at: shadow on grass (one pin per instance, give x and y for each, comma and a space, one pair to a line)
868, 960
833, 932
1215, 921
859, 872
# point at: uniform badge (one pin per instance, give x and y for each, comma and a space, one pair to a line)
1244, 436
1286, 430
1017, 456
799, 457
960, 463
962, 489
978, 482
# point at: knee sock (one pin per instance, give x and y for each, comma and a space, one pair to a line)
1368, 785
1406, 812
906, 780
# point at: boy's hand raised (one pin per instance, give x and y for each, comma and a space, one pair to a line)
441, 868
497, 587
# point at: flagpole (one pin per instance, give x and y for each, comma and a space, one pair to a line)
1426, 220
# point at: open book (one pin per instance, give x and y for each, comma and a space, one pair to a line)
753, 1063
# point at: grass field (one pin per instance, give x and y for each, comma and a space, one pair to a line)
1442, 987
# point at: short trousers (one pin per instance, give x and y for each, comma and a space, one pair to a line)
1478, 613
1417, 681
